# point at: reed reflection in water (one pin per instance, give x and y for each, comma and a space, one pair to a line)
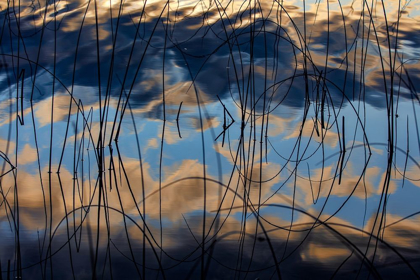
209, 139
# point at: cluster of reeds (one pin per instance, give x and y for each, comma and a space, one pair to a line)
248, 69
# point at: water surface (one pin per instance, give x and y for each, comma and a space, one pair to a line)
209, 139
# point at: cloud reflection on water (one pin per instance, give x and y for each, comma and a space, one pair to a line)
165, 196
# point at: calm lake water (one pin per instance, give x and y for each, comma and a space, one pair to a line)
209, 139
